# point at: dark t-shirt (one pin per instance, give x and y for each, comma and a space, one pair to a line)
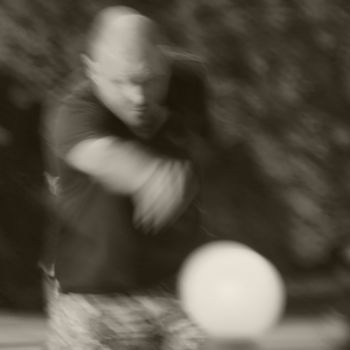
97, 247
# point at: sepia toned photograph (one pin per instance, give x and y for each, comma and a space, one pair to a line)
174, 175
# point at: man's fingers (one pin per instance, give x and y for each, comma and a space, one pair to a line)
171, 197
164, 198
153, 199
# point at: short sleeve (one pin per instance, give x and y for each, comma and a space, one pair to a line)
74, 120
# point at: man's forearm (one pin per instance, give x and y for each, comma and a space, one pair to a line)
121, 166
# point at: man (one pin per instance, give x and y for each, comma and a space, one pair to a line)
126, 193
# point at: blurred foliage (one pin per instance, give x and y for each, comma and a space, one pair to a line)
280, 81
279, 77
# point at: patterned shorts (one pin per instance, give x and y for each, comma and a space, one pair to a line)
150, 320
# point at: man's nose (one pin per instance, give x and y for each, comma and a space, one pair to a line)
138, 96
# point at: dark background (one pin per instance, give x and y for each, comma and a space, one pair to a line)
279, 79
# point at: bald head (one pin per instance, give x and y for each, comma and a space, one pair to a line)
122, 29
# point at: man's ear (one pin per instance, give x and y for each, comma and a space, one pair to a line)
89, 65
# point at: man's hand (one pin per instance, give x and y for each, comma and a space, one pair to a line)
164, 197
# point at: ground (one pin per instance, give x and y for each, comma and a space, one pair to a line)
317, 318
309, 324
27, 332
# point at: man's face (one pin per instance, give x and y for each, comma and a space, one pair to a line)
131, 82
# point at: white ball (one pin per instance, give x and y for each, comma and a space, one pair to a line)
231, 291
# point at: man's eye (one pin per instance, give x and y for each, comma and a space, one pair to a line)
117, 82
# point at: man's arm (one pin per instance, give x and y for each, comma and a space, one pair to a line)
159, 187
121, 166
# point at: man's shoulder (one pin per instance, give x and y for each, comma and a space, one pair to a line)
188, 91
78, 92
188, 74
185, 65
